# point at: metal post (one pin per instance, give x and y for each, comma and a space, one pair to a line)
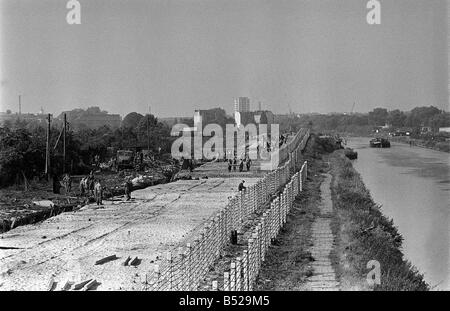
64, 143
47, 148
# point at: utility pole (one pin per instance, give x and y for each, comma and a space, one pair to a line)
148, 133
47, 150
64, 143
148, 130
20, 105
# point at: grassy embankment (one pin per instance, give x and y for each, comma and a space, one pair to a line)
365, 234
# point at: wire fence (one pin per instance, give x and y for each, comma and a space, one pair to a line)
244, 269
185, 267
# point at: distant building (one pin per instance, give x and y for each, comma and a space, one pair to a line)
255, 117
216, 115
29, 117
242, 104
444, 130
92, 118
425, 129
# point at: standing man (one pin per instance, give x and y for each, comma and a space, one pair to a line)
230, 164
128, 189
241, 186
67, 181
98, 192
83, 186
248, 163
241, 166
90, 182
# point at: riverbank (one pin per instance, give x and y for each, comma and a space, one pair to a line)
365, 234
443, 146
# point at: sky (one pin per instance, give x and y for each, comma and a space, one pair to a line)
172, 57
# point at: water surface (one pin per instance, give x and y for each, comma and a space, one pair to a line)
413, 186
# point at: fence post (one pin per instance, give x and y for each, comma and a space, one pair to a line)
251, 262
238, 273
170, 263
188, 266
245, 268
157, 277
233, 276
226, 281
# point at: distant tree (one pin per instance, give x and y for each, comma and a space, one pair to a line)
396, 118
8, 111
150, 130
440, 120
131, 120
378, 116
421, 116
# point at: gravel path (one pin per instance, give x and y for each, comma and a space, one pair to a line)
324, 277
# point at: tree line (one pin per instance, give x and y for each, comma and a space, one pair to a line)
23, 145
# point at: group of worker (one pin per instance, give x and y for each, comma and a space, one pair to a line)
232, 164
92, 186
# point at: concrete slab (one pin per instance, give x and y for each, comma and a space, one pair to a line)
67, 246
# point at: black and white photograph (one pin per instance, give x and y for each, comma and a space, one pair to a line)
224, 150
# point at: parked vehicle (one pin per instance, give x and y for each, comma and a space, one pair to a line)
380, 143
125, 159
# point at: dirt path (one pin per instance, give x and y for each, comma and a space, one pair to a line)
324, 277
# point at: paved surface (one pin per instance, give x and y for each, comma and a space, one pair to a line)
67, 246
324, 277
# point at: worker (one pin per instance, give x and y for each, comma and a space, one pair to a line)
67, 181
230, 164
234, 163
241, 186
128, 188
97, 160
90, 183
241, 166
83, 186
98, 192
248, 163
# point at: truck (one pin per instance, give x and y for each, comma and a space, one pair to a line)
124, 159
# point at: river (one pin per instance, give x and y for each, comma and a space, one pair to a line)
412, 185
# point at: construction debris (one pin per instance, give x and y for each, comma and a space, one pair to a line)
51, 284
127, 261
81, 284
67, 286
90, 285
106, 259
135, 262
